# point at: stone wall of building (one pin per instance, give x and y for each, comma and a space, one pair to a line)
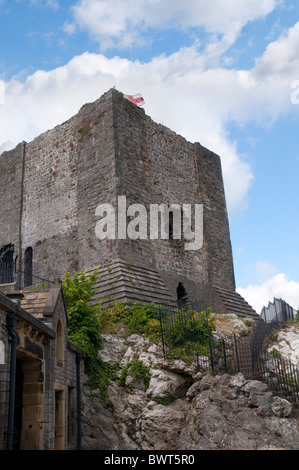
96, 179
48, 375
4, 377
111, 148
50, 216
60, 383
156, 166
216, 226
11, 194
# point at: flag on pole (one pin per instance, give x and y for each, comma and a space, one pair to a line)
136, 99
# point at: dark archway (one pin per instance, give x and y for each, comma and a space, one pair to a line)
6, 264
181, 296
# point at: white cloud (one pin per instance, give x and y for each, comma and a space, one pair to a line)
52, 4
281, 56
112, 23
69, 28
176, 91
278, 286
265, 270
180, 90
2, 92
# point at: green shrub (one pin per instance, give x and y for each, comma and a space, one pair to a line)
275, 353
162, 401
138, 370
100, 373
84, 328
188, 332
140, 319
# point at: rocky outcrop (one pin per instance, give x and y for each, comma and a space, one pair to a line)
286, 343
182, 409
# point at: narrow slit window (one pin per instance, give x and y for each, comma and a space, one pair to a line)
60, 343
28, 267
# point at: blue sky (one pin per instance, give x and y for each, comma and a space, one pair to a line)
218, 72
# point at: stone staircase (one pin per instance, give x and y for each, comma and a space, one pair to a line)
232, 302
126, 282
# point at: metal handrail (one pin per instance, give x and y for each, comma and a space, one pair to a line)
231, 355
21, 278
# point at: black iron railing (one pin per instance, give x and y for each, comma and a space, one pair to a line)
188, 334
25, 279
22, 278
281, 375
271, 318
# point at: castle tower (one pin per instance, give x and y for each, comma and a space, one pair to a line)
52, 194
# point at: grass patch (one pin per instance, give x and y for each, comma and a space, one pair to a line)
139, 319
138, 370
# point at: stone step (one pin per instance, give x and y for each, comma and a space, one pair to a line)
233, 302
126, 282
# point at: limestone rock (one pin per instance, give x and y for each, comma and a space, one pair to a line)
165, 384
181, 367
161, 425
113, 348
281, 408
287, 344
183, 409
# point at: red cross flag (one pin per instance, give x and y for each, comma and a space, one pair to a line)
136, 99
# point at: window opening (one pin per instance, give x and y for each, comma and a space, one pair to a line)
28, 267
181, 296
6, 264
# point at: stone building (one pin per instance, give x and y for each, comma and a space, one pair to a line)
40, 372
111, 151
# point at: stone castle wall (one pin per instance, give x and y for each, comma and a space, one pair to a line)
4, 377
11, 174
155, 165
50, 214
51, 187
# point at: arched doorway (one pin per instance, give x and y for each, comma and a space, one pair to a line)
6, 264
29, 404
181, 296
59, 420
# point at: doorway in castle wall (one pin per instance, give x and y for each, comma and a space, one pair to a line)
18, 407
59, 427
182, 297
29, 398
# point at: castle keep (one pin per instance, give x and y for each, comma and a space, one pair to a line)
61, 195
51, 187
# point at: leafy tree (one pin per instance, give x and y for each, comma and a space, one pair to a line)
84, 326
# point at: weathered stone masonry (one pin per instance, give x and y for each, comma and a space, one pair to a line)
51, 187
40, 372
